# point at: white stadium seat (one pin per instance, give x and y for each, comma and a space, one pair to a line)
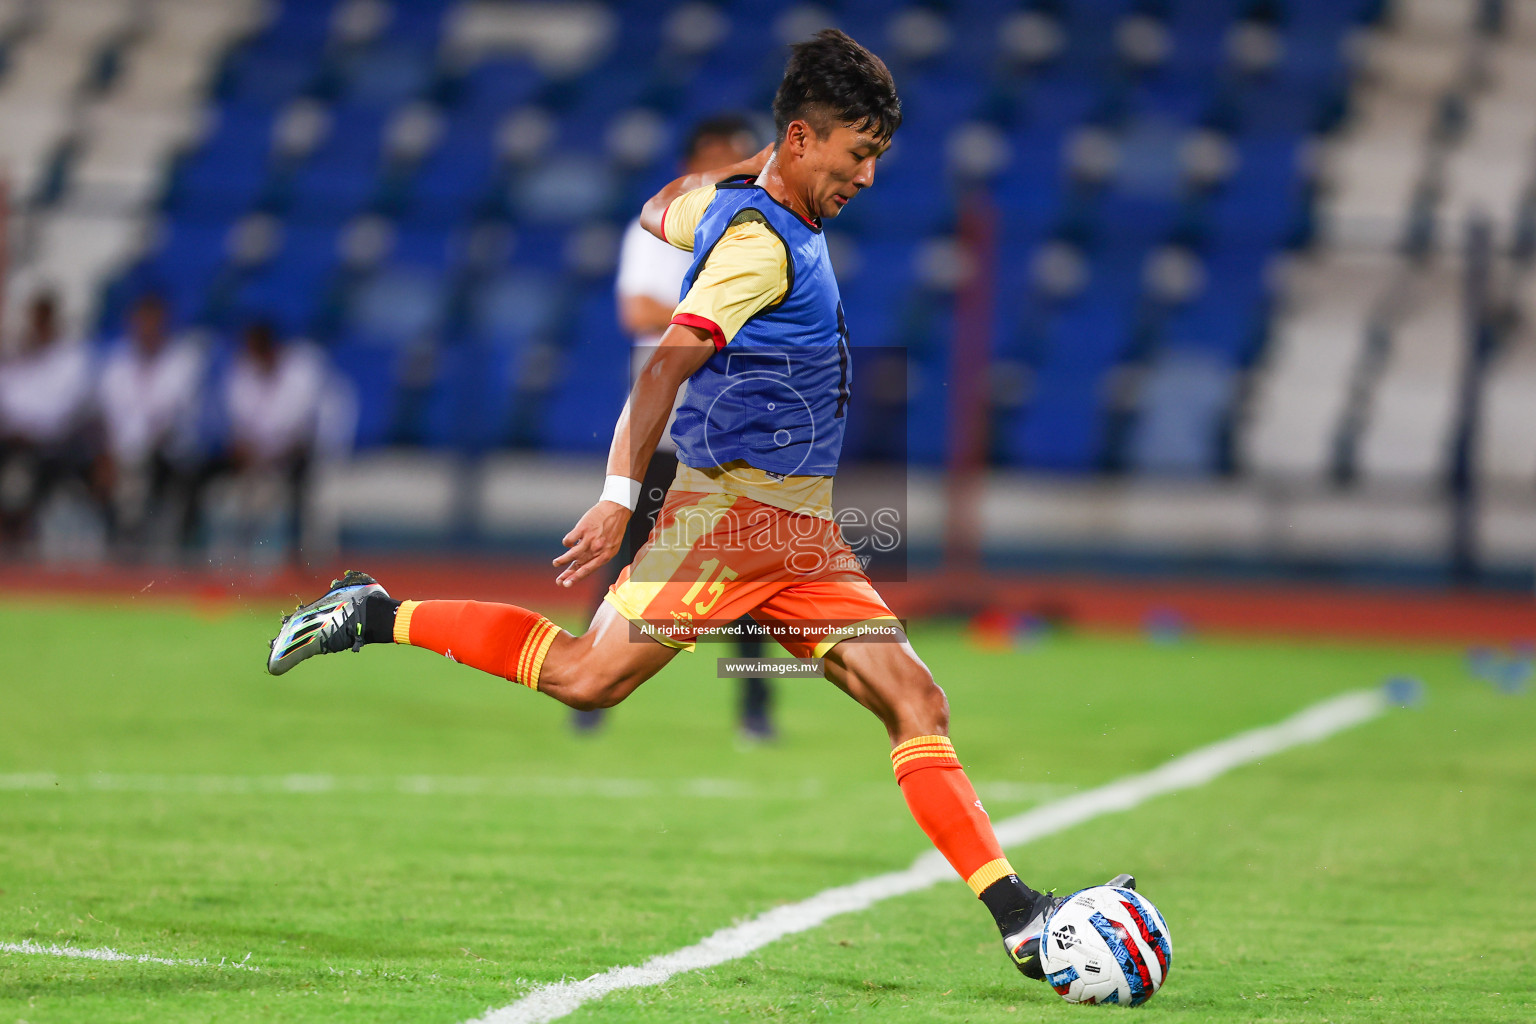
75, 251
1302, 392
82, 26
1371, 171
1411, 410
125, 160
29, 137
1434, 18
1505, 454
1409, 65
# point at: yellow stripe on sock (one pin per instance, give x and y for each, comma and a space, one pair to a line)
929, 751
930, 761
403, 621
531, 644
924, 748
548, 640
988, 873
520, 671
923, 741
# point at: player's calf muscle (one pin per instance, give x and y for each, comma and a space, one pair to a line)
585, 674
573, 677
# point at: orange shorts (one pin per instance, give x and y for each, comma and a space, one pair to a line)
714, 557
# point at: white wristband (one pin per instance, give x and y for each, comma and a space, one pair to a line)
623, 490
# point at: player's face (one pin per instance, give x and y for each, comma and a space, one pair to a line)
841, 165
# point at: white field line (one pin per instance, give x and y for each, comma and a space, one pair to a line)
72, 953
475, 785
553, 1001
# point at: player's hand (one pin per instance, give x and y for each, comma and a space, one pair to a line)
592, 541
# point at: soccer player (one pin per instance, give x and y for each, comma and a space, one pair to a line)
761, 342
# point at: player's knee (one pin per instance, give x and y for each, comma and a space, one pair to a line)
923, 708
932, 706
584, 692
585, 698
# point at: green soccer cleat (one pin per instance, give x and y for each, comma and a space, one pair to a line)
1024, 945
333, 623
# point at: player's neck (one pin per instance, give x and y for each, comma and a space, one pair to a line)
796, 200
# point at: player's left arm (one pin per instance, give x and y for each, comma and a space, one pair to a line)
653, 215
597, 535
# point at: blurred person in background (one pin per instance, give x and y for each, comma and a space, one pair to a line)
650, 280
45, 391
271, 402
149, 400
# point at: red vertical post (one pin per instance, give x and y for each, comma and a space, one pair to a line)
5, 247
970, 399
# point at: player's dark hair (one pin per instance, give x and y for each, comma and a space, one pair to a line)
721, 126
830, 79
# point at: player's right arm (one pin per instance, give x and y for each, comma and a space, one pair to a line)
597, 535
747, 272
655, 210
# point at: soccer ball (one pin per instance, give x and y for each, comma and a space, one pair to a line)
1106, 945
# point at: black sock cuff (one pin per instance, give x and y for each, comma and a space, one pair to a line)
1011, 902
379, 619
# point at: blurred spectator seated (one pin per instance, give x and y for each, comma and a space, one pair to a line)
45, 388
149, 399
273, 396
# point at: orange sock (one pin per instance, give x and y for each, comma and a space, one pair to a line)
502, 639
945, 805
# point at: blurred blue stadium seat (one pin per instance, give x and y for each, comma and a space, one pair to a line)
373, 373
513, 307
1063, 429
227, 175
398, 304
469, 405
290, 289
592, 380
456, 177
185, 266
1183, 401
342, 174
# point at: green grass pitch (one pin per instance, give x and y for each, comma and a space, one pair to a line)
1382, 875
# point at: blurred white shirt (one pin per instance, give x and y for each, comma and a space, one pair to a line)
150, 402
43, 395
652, 268
274, 414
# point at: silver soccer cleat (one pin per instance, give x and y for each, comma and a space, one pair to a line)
1024, 945
333, 623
